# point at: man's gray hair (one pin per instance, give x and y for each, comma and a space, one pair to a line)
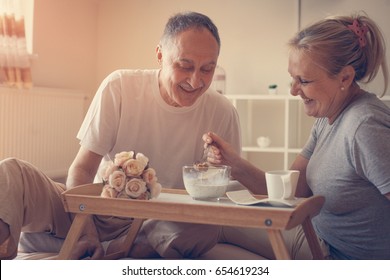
184, 21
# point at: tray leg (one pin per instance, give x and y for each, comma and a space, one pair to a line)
278, 244
312, 239
73, 236
128, 241
132, 234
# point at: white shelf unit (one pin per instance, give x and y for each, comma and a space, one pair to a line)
279, 117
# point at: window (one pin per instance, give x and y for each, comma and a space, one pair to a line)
15, 44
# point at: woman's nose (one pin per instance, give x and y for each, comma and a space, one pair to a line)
294, 89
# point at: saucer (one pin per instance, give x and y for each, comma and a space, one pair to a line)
244, 197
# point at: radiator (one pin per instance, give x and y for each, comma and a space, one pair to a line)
40, 126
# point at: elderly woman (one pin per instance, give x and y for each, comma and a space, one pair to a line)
347, 156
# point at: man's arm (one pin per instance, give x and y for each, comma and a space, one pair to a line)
82, 171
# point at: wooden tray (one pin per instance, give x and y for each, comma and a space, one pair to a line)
177, 205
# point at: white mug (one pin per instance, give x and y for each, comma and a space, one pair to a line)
282, 184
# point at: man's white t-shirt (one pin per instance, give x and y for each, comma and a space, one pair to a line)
129, 114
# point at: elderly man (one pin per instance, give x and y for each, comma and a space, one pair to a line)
162, 113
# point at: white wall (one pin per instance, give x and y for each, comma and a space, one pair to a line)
64, 42
378, 10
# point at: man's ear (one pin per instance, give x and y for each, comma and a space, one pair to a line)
347, 76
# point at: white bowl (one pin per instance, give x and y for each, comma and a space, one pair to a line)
206, 183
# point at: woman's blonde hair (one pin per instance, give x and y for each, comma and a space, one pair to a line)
335, 45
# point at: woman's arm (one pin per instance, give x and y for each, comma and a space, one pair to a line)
250, 176
300, 163
222, 152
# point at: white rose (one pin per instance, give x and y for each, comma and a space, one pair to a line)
141, 157
117, 180
135, 187
109, 192
106, 169
122, 157
149, 176
155, 190
133, 167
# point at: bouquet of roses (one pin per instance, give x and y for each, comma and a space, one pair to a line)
130, 176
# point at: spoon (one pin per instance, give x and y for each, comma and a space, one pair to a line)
202, 164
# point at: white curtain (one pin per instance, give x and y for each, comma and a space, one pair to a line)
14, 60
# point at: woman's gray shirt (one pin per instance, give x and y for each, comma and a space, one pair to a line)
349, 164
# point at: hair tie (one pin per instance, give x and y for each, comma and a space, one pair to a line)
360, 31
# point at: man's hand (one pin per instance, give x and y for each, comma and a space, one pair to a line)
88, 246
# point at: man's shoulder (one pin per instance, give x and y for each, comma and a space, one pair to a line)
128, 83
214, 96
131, 74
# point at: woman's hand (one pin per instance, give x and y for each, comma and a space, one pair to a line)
219, 151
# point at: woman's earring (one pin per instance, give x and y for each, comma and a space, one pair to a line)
342, 88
